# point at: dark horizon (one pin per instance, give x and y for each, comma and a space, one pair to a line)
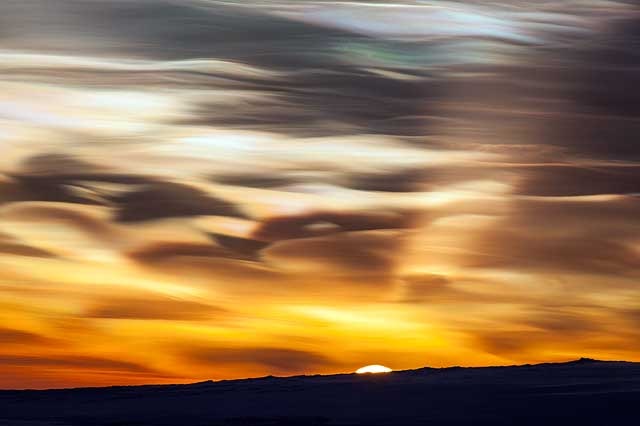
311, 374
584, 392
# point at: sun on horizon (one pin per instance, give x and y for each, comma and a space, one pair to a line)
373, 369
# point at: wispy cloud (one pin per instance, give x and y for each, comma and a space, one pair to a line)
238, 188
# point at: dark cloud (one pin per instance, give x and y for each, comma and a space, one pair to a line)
352, 253
164, 30
160, 252
18, 249
255, 181
428, 178
274, 360
242, 247
510, 343
632, 316
337, 100
563, 236
614, 59
11, 337
600, 137
60, 178
325, 223
562, 321
206, 263
594, 79
567, 180
582, 253
403, 181
66, 169
610, 217
166, 199
433, 290
24, 188
12, 246
44, 213
73, 361
153, 309
427, 288
542, 327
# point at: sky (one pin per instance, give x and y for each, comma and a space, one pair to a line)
195, 190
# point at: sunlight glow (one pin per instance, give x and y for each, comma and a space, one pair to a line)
373, 369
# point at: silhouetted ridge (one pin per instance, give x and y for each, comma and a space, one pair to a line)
584, 361
584, 392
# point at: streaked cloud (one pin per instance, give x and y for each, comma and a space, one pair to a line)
211, 189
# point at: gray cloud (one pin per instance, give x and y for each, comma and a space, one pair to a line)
358, 254
243, 247
324, 223
160, 252
166, 199
567, 180
569, 235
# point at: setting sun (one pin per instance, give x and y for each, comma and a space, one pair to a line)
373, 369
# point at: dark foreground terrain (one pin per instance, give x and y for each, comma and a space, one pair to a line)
583, 392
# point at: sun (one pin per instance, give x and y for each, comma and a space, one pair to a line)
373, 369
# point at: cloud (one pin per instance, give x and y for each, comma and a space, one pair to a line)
243, 247
163, 251
420, 22
10, 336
73, 361
333, 99
62, 169
18, 249
151, 308
207, 265
327, 128
577, 254
424, 179
227, 247
325, 223
60, 178
63, 178
72, 216
273, 360
28, 189
536, 329
567, 180
594, 236
163, 30
166, 199
403, 181
255, 180
359, 254
428, 288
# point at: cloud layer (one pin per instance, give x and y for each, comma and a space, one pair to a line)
203, 189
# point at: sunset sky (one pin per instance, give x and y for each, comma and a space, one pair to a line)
196, 190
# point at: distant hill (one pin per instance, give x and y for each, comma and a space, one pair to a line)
583, 392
